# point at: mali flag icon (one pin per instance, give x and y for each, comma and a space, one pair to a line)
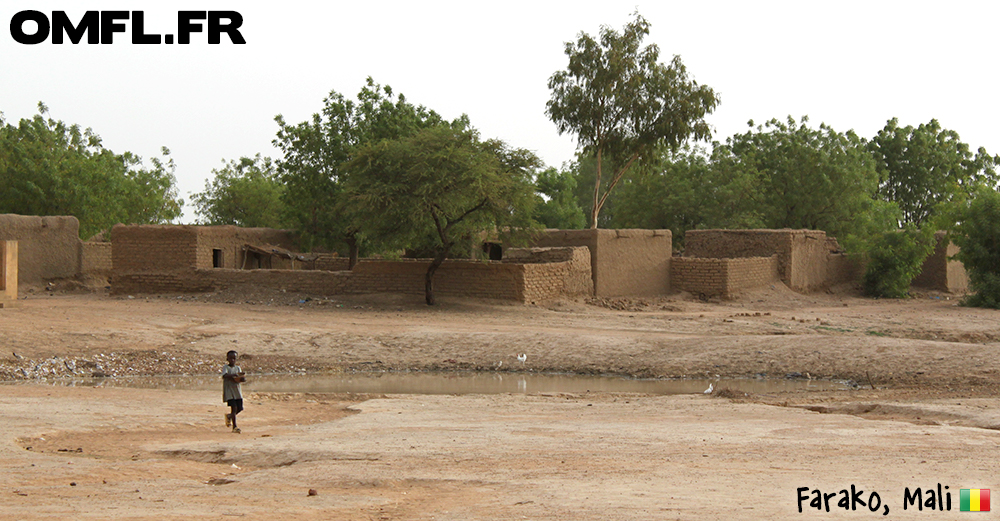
975, 499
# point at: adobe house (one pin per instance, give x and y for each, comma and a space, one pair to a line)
165, 258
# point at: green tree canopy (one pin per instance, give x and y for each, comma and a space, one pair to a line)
921, 168
316, 152
623, 104
49, 167
559, 208
978, 235
244, 192
439, 186
686, 190
813, 178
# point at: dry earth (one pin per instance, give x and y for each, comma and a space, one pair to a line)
924, 411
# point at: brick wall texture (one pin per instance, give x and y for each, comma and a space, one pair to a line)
95, 258
802, 254
725, 278
48, 247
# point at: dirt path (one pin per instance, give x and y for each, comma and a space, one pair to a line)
100, 453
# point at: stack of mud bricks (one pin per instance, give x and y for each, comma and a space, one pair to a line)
8, 274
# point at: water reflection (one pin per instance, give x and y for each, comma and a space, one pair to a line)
457, 383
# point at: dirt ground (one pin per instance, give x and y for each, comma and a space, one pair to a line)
922, 410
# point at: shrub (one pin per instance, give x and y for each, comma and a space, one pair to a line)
978, 236
894, 260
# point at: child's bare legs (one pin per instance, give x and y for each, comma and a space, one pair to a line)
232, 417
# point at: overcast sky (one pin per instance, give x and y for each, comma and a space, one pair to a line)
850, 64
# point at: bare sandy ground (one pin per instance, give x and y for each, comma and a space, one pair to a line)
925, 412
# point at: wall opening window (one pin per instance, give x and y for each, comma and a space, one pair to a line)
216, 258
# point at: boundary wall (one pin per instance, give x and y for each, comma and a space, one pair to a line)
726, 278
48, 247
622, 262
95, 258
523, 282
802, 254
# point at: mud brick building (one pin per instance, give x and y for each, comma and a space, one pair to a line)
561, 263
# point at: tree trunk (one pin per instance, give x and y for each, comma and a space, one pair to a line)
352, 247
597, 192
429, 276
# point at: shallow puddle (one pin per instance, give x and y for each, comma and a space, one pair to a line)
459, 383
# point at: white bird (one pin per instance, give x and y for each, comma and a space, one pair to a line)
522, 357
709, 390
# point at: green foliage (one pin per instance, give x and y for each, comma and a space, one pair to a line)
48, 167
686, 190
978, 236
438, 187
244, 192
316, 152
623, 104
894, 260
925, 167
817, 179
560, 209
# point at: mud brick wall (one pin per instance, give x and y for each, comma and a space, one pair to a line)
8, 274
726, 278
622, 262
48, 247
188, 281
330, 262
459, 278
567, 274
540, 255
95, 257
939, 273
842, 268
802, 254
153, 249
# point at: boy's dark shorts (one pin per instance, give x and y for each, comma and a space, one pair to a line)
236, 403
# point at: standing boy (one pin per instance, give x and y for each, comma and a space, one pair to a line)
232, 376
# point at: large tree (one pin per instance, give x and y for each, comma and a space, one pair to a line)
316, 152
623, 104
439, 187
244, 192
814, 178
49, 167
921, 168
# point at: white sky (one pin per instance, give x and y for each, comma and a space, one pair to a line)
851, 64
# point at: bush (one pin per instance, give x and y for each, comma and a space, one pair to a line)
894, 260
978, 236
